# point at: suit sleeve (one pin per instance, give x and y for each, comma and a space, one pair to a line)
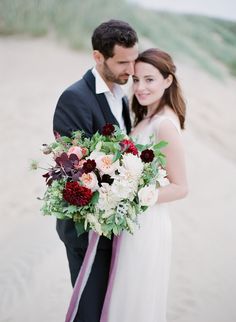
71, 114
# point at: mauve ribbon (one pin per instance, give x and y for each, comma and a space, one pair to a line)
82, 276
114, 261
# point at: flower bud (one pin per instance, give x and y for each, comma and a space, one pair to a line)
46, 149
34, 165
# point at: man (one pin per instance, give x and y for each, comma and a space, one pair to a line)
88, 105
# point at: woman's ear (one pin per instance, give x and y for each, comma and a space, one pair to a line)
168, 80
98, 57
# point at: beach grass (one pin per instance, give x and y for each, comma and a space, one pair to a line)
200, 39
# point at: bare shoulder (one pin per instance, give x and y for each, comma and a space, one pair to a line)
170, 123
168, 112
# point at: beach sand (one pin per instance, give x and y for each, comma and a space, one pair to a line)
34, 276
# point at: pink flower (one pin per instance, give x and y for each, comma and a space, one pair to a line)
89, 180
75, 150
80, 164
84, 151
106, 165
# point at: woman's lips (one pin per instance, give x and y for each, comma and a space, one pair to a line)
142, 96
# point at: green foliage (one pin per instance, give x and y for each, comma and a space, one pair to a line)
54, 202
95, 198
117, 156
160, 145
79, 226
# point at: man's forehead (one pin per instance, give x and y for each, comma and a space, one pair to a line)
125, 53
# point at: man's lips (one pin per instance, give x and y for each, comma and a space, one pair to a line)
125, 76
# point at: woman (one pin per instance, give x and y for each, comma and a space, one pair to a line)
139, 288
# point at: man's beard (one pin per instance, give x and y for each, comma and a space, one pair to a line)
110, 77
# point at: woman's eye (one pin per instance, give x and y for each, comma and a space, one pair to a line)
135, 80
149, 80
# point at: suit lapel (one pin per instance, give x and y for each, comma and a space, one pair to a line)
101, 99
107, 113
104, 106
126, 115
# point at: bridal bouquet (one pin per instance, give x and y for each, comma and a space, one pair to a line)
102, 182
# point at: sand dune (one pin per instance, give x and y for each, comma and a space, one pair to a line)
34, 277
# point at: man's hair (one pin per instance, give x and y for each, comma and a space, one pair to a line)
111, 33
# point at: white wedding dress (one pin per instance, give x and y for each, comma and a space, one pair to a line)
139, 291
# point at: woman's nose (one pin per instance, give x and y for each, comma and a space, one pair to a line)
139, 85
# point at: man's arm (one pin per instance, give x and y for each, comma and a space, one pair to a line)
72, 114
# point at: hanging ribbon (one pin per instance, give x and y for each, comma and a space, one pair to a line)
82, 276
114, 261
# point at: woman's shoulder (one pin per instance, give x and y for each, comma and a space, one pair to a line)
166, 113
167, 118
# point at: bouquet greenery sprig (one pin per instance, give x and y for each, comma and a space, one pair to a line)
104, 182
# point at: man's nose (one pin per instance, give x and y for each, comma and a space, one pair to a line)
130, 68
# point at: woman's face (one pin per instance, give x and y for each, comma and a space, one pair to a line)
148, 84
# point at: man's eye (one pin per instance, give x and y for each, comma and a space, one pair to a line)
135, 80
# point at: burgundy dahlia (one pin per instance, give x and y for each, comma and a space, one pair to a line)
128, 147
108, 129
77, 195
147, 155
89, 166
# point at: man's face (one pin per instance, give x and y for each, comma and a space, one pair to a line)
118, 68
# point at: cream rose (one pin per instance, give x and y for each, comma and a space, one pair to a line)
75, 150
89, 180
148, 196
106, 165
162, 178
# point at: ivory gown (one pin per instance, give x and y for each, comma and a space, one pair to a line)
139, 290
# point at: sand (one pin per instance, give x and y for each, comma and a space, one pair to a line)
34, 276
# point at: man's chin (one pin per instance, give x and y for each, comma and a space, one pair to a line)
122, 81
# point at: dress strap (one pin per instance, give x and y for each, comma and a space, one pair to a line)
160, 119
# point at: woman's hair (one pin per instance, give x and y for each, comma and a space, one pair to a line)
111, 33
172, 95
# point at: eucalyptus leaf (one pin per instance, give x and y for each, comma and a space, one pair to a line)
160, 145
79, 228
117, 156
95, 197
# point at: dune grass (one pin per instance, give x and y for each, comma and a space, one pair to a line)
200, 39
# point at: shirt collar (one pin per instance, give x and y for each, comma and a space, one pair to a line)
101, 86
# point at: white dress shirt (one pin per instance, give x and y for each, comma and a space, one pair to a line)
114, 98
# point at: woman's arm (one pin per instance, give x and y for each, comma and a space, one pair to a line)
175, 166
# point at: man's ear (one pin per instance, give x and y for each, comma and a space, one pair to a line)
98, 57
